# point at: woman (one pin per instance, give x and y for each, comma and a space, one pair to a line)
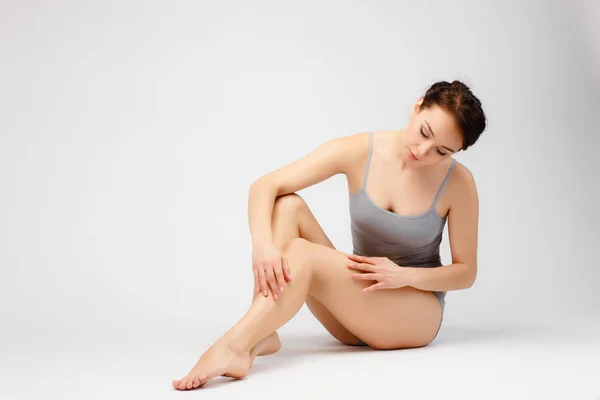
388, 294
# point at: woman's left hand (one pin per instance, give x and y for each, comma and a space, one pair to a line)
388, 274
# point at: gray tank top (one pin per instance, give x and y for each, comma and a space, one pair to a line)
409, 241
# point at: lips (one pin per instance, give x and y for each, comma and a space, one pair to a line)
412, 155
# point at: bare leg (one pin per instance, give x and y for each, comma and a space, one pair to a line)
410, 316
231, 353
292, 218
285, 227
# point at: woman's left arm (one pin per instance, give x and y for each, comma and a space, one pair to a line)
463, 218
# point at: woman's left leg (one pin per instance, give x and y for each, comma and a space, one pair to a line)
230, 355
384, 319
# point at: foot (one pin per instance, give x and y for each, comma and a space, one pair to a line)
269, 345
220, 359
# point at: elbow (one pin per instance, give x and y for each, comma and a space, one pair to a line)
262, 181
470, 283
261, 185
472, 277
258, 184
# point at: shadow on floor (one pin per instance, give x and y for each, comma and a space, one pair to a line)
468, 334
299, 348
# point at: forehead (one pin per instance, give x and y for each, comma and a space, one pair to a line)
443, 125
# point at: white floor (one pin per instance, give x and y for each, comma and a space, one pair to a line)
510, 362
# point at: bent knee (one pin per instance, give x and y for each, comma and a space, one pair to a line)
289, 202
298, 254
296, 247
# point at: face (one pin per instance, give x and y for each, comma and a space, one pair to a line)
432, 135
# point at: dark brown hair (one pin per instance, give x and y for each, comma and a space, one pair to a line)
457, 98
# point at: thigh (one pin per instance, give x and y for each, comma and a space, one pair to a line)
384, 319
292, 206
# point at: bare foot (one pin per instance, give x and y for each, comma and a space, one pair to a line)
220, 359
269, 345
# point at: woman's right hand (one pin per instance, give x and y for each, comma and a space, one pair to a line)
270, 270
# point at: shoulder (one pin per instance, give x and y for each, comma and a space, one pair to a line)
355, 142
359, 144
348, 149
462, 184
461, 175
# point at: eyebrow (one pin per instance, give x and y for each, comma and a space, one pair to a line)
429, 127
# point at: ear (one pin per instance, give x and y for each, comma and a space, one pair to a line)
416, 107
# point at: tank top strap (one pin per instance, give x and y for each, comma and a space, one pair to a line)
368, 161
437, 196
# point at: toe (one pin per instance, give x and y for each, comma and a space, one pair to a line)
182, 383
175, 384
189, 383
196, 382
202, 378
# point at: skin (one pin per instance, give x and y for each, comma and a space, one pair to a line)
312, 272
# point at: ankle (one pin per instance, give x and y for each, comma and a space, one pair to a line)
237, 342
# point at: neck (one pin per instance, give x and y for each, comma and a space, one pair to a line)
399, 150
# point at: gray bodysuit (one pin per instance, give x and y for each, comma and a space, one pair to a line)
409, 241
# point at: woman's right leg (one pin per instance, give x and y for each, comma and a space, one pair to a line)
293, 218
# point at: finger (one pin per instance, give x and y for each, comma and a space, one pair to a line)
263, 281
362, 259
286, 269
360, 266
279, 276
256, 281
376, 286
272, 282
366, 277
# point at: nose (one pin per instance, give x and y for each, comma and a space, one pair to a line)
424, 149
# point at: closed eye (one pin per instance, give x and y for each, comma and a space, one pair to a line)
427, 137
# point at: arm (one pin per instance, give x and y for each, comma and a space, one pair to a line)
261, 199
462, 230
331, 158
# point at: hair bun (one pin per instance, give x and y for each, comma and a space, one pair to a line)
457, 98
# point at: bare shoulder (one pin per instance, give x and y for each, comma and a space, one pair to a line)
345, 151
462, 185
332, 157
462, 175
352, 148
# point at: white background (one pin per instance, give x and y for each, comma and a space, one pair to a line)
130, 132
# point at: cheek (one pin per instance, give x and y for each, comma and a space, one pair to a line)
416, 136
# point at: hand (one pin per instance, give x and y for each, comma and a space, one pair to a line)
270, 270
388, 274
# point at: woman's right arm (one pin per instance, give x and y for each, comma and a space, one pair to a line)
261, 200
331, 158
